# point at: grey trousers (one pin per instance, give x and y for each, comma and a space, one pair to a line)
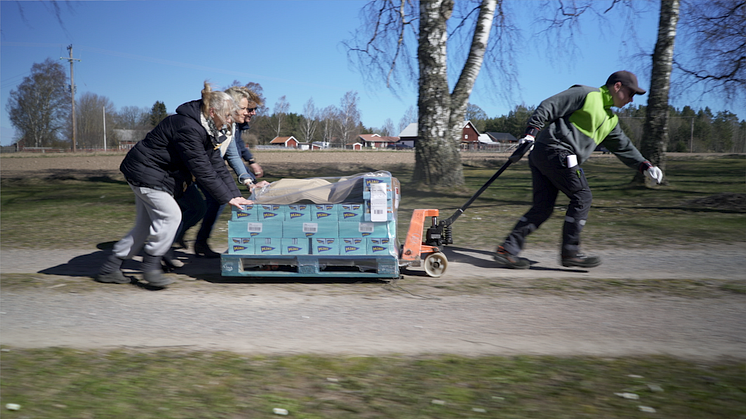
550, 174
158, 218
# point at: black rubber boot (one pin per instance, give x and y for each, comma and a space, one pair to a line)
152, 271
111, 272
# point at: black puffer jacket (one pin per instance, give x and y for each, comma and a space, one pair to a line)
173, 151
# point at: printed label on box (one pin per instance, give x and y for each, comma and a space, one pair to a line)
352, 246
366, 228
241, 245
351, 212
298, 228
295, 246
378, 206
239, 229
325, 212
310, 228
267, 246
329, 246
298, 212
246, 213
378, 246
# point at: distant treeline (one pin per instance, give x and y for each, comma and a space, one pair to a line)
700, 131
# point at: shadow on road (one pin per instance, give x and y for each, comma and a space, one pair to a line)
196, 268
483, 259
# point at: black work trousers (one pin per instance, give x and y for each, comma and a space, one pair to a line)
550, 175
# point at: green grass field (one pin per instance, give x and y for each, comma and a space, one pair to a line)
82, 213
66, 383
86, 212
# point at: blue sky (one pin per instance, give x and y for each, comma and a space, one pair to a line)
139, 52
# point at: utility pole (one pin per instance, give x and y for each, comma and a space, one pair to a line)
104, 109
72, 90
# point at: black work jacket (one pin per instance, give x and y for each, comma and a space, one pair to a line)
174, 151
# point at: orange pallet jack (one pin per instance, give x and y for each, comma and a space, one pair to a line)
440, 233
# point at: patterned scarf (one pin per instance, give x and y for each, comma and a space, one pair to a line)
217, 136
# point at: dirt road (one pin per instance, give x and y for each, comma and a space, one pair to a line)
476, 308
67, 308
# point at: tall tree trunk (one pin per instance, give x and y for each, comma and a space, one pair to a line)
655, 129
441, 114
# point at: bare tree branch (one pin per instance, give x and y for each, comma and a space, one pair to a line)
714, 33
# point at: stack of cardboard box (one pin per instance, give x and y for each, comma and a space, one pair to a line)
365, 228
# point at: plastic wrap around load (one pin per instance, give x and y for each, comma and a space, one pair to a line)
351, 216
326, 190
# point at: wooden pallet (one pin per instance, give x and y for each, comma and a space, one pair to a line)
310, 266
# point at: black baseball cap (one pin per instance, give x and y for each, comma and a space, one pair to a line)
628, 79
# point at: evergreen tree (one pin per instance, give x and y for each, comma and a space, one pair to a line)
157, 113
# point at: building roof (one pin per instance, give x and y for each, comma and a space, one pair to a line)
485, 139
410, 131
281, 140
375, 138
502, 137
370, 137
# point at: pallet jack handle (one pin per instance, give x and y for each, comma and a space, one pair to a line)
440, 233
517, 155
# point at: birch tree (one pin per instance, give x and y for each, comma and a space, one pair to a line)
387, 130
40, 106
280, 111
409, 117
90, 114
714, 35
310, 119
440, 110
328, 116
655, 128
349, 117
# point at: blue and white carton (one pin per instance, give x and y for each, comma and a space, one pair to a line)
310, 229
325, 212
295, 246
325, 246
241, 246
353, 246
298, 212
272, 228
268, 246
246, 213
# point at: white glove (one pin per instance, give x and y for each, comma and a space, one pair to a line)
654, 173
527, 139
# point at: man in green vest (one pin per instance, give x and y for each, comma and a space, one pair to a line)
577, 121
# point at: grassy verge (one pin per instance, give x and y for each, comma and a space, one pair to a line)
66, 383
409, 286
85, 212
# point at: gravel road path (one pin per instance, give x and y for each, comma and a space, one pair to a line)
374, 319
66, 308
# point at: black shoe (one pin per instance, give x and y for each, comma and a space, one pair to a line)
510, 261
581, 261
180, 243
170, 262
201, 249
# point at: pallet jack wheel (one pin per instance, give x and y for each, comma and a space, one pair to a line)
436, 264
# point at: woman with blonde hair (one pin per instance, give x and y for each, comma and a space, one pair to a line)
182, 147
